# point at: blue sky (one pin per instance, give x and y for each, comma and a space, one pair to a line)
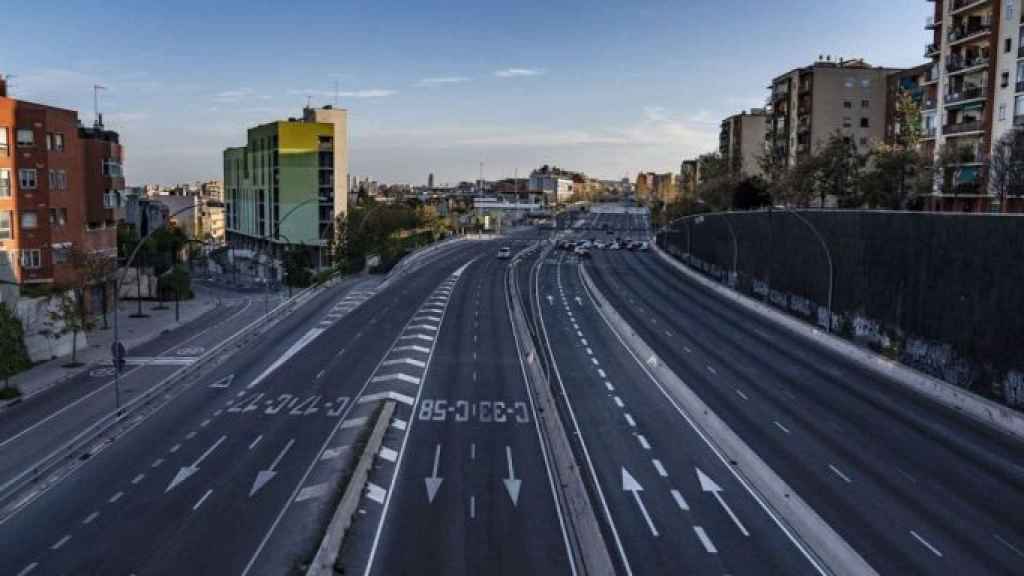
609, 88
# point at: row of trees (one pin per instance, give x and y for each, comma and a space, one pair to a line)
896, 176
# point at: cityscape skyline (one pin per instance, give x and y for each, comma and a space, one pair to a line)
605, 90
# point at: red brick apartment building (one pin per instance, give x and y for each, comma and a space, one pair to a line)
60, 189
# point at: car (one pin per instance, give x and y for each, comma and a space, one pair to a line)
504, 253
615, 246
599, 245
582, 252
643, 247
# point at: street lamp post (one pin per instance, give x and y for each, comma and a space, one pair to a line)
828, 256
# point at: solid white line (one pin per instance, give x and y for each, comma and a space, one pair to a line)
926, 544
61, 542
781, 427
840, 474
292, 351
643, 441
256, 441
630, 421
115, 497
661, 469
619, 403
90, 518
203, 499
1008, 545
138, 478
709, 546
680, 501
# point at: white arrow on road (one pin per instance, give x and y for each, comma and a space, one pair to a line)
264, 476
433, 482
511, 483
188, 471
629, 484
709, 485
224, 382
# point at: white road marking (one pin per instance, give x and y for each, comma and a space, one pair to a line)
90, 518
412, 348
27, 569
661, 469
579, 333
423, 337
399, 424
175, 448
407, 361
354, 422
403, 398
158, 462
619, 402
709, 546
687, 348
643, 442
609, 386
680, 501
115, 497
313, 491
61, 542
601, 373
584, 341
925, 543
295, 348
332, 453
388, 454
472, 451
712, 370
741, 394
840, 474
138, 479
781, 427
398, 376
202, 499
472, 507
204, 423
907, 474
667, 333
594, 360
1008, 545
375, 493
190, 435
630, 421
256, 441
590, 352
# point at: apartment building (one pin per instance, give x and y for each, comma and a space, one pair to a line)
741, 141
60, 190
810, 104
689, 178
555, 185
289, 183
978, 84
915, 83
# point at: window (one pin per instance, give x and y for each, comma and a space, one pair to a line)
1007, 44
111, 199
58, 216
6, 228
1018, 106
5, 183
1002, 112
4, 144
26, 137
27, 178
1004, 79
847, 104
30, 259
865, 103
29, 220
865, 123
55, 141
58, 180
111, 168
61, 255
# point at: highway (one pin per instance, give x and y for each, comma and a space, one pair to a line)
913, 487
230, 476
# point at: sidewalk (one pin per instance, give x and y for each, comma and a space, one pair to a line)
133, 331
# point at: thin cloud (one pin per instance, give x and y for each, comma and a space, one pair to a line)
655, 113
518, 72
232, 96
372, 93
442, 80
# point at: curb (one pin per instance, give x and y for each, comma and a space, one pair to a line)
982, 410
827, 551
327, 555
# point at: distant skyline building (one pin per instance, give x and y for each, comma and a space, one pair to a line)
741, 141
289, 183
430, 180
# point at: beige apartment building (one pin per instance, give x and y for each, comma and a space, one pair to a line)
810, 104
741, 141
977, 87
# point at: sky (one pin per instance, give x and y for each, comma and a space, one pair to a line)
609, 88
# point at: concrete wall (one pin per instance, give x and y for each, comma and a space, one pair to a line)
939, 292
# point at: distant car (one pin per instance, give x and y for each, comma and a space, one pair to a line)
582, 252
599, 245
504, 253
643, 247
615, 246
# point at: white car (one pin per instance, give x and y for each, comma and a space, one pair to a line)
615, 246
643, 247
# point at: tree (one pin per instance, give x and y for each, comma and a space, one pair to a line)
717, 182
950, 165
797, 185
907, 121
70, 317
297, 272
1006, 166
93, 269
13, 355
839, 167
897, 178
751, 194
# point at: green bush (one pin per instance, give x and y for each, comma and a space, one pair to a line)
13, 355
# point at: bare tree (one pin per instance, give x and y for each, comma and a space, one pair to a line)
1006, 165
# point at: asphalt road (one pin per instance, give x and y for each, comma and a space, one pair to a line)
668, 500
913, 487
219, 481
472, 493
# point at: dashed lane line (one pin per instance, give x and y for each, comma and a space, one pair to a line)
840, 474
660, 468
680, 501
709, 546
781, 427
90, 518
926, 544
59, 543
630, 421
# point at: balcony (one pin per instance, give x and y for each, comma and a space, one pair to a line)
930, 23
932, 76
805, 86
964, 5
962, 127
1018, 120
929, 133
928, 103
964, 95
956, 64
930, 50
966, 32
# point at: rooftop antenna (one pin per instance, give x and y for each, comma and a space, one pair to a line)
308, 100
335, 93
96, 104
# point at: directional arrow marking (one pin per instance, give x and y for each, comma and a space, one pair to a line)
264, 476
433, 482
629, 484
511, 483
223, 382
579, 300
709, 485
187, 471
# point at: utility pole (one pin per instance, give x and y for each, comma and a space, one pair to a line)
98, 122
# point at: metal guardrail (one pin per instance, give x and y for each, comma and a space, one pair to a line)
94, 438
